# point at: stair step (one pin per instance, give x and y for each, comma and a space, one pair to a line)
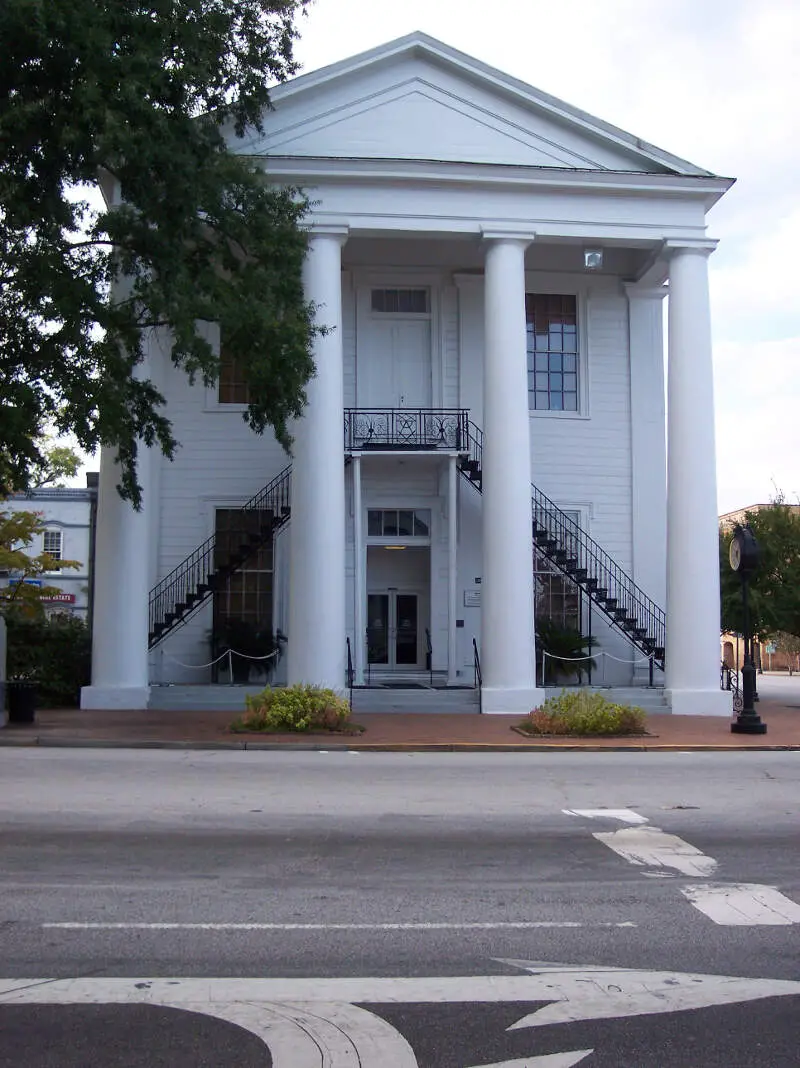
611, 603
580, 575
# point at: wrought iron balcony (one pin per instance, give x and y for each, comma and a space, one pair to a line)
405, 428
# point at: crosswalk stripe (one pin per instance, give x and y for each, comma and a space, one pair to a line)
743, 904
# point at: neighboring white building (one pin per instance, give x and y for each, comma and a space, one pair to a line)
493, 265
69, 516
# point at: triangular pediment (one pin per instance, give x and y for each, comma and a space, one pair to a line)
417, 99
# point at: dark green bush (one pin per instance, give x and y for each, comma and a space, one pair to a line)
54, 653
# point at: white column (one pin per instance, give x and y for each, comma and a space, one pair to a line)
360, 574
692, 668
121, 592
648, 447
452, 569
507, 627
316, 648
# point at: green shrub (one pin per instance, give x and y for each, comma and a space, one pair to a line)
54, 653
294, 708
579, 712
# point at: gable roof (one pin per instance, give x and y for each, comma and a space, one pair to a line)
359, 106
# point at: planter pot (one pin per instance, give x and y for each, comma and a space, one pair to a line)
21, 701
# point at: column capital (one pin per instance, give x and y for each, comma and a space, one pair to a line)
703, 246
340, 230
637, 291
510, 234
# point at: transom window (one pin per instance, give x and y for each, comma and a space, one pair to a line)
552, 345
398, 523
53, 543
401, 301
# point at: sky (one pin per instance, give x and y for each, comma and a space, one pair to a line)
716, 82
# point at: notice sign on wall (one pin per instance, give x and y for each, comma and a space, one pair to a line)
472, 598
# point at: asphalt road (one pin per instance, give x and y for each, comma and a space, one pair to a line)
193, 908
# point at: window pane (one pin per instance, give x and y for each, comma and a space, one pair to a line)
571, 382
390, 524
555, 339
570, 402
542, 342
555, 361
422, 523
542, 380
374, 523
406, 524
542, 402
557, 402
570, 363
570, 339
541, 361
557, 382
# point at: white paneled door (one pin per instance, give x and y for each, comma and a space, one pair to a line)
394, 364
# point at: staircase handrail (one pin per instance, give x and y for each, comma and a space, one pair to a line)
577, 542
476, 663
249, 505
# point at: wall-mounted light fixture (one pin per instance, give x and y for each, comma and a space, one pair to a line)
592, 259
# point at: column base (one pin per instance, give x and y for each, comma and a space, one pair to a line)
115, 697
700, 702
505, 701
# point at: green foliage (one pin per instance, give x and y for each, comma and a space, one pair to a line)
18, 530
54, 653
774, 594
563, 645
294, 708
582, 712
140, 101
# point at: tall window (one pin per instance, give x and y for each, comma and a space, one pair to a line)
552, 333
232, 388
247, 594
53, 543
557, 597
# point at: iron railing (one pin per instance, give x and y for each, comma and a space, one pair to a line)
404, 428
562, 540
350, 674
476, 662
181, 593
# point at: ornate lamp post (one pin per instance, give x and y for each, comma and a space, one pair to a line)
744, 561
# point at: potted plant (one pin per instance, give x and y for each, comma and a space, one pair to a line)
249, 645
567, 652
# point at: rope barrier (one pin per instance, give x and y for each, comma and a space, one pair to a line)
222, 656
600, 652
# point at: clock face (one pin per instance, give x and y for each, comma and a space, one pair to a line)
736, 553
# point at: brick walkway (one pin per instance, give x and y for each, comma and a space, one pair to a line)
72, 727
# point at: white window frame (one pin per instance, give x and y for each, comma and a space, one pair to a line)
570, 286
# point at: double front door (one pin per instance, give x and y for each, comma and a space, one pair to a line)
393, 637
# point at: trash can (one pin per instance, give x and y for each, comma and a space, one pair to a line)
21, 697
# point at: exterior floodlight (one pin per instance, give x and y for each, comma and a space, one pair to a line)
592, 259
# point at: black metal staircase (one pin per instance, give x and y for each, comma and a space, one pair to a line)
556, 535
189, 585
566, 545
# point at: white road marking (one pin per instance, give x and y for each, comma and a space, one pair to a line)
624, 815
743, 904
321, 1035
548, 1060
653, 848
522, 925
572, 993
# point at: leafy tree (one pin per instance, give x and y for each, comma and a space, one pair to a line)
137, 98
18, 531
775, 586
789, 644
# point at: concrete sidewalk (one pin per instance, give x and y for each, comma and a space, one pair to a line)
393, 731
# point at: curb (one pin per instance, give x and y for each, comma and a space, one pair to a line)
38, 742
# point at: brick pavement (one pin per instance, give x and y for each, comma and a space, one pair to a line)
391, 731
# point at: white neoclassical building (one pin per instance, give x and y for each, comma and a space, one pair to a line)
484, 446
